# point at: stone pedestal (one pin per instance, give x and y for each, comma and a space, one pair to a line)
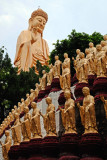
41, 95
100, 87
50, 148
55, 85
91, 79
69, 147
78, 91
23, 151
90, 146
47, 90
35, 149
14, 152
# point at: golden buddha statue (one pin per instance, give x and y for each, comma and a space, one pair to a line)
30, 44
65, 79
49, 118
32, 96
11, 117
100, 62
36, 90
6, 146
27, 101
57, 67
87, 112
68, 114
50, 75
81, 73
35, 121
25, 125
92, 49
22, 105
90, 61
43, 80
16, 130
105, 37
77, 58
39, 85
105, 104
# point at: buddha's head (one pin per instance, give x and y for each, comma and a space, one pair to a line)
26, 109
65, 55
98, 47
31, 91
43, 72
19, 104
105, 37
36, 85
91, 45
33, 105
22, 100
38, 20
87, 51
103, 43
86, 91
56, 57
7, 133
48, 100
67, 94
78, 51
82, 55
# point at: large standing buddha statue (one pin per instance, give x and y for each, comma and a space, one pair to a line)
30, 44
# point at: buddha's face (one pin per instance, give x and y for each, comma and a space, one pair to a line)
103, 43
6, 133
78, 51
56, 58
91, 44
36, 85
82, 55
43, 71
67, 94
31, 90
87, 51
105, 37
22, 100
38, 23
48, 100
27, 95
98, 47
65, 55
85, 91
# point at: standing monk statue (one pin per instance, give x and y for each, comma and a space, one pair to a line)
30, 44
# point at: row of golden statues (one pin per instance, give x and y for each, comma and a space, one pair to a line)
30, 127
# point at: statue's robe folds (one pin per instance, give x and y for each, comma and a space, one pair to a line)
28, 52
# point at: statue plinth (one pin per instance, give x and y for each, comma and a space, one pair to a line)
100, 87
35, 149
91, 146
78, 91
14, 152
50, 147
24, 150
55, 85
91, 79
69, 147
47, 90
41, 95
74, 80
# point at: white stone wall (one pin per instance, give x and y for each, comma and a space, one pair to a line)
42, 106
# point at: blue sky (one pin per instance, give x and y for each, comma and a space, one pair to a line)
64, 15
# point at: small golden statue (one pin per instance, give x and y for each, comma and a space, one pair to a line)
27, 101
35, 121
22, 105
105, 104
92, 49
32, 96
90, 62
25, 125
36, 90
16, 130
81, 73
57, 67
6, 146
77, 59
65, 79
43, 80
100, 62
87, 112
11, 117
50, 75
68, 114
49, 118
105, 37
